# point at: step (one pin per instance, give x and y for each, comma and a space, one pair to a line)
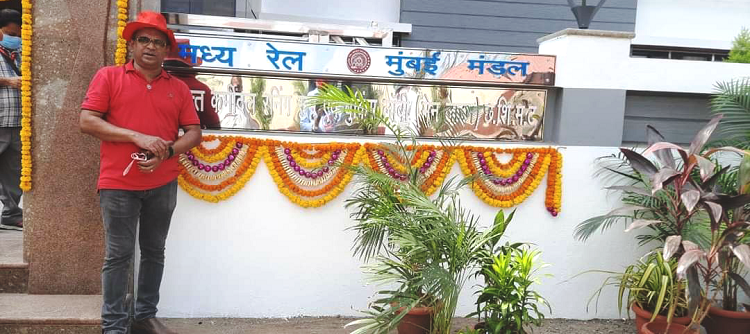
14, 273
14, 278
42, 314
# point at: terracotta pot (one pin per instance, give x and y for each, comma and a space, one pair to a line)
661, 328
417, 321
721, 321
642, 317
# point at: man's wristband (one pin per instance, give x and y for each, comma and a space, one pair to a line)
171, 152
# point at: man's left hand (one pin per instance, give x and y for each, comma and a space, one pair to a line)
150, 165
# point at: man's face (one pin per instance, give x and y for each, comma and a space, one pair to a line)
11, 29
149, 47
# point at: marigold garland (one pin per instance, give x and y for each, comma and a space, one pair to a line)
122, 45
26, 33
311, 175
298, 184
508, 184
432, 162
240, 169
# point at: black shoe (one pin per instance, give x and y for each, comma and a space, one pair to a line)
18, 226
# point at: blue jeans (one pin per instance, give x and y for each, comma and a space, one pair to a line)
122, 211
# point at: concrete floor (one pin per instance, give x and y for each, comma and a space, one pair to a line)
11, 247
335, 325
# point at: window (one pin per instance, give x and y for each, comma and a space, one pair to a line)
203, 7
667, 52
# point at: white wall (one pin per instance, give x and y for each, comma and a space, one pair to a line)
257, 255
690, 23
359, 10
586, 59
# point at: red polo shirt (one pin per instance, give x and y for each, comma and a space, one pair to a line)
128, 101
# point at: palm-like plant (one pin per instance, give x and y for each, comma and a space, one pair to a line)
424, 248
732, 101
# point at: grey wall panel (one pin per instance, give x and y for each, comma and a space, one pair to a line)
674, 130
528, 9
544, 26
472, 46
458, 35
590, 117
501, 25
677, 116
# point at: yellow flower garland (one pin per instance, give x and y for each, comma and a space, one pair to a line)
311, 163
315, 192
122, 19
26, 33
214, 157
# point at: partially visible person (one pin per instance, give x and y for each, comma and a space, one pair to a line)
235, 84
137, 110
309, 117
10, 120
206, 112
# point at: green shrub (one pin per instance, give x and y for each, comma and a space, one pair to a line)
740, 52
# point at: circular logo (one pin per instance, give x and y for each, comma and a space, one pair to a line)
358, 61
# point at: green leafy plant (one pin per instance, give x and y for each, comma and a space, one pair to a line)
651, 284
704, 266
507, 304
687, 190
732, 101
740, 52
640, 203
424, 249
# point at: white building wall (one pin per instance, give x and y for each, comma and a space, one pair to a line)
690, 23
353, 10
601, 60
258, 255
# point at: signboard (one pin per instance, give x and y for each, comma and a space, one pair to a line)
232, 52
275, 104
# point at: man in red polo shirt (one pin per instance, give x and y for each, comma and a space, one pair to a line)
138, 109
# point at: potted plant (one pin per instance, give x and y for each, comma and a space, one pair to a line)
423, 248
684, 193
652, 278
704, 266
506, 303
654, 292
731, 101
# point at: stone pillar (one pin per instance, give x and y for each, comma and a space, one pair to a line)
63, 231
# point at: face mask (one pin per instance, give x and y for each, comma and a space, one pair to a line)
11, 42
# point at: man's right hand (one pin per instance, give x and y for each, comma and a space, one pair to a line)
14, 82
156, 145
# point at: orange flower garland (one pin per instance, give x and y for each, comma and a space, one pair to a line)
311, 175
316, 187
433, 164
506, 185
553, 198
223, 143
242, 165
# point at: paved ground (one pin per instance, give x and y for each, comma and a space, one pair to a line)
310, 325
11, 246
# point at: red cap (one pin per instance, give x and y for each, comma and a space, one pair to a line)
147, 19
